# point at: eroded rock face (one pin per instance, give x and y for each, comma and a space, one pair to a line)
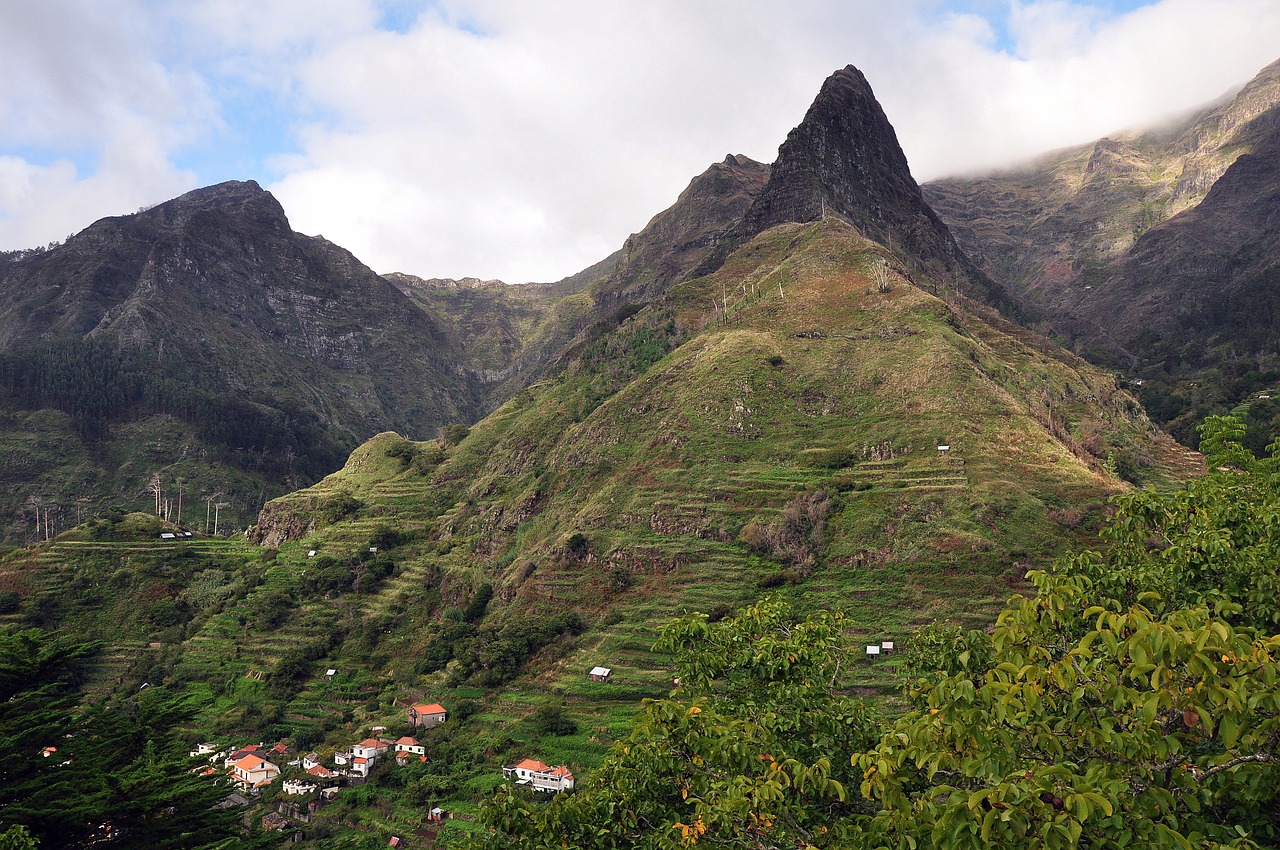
681, 237
276, 527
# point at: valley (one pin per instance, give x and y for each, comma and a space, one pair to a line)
791, 409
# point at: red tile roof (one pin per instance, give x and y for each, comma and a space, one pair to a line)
532, 764
250, 762
430, 708
373, 743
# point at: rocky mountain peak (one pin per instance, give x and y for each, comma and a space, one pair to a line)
844, 160
240, 199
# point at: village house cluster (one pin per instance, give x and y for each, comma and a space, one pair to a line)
253, 767
316, 780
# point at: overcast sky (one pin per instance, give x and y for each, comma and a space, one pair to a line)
525, 139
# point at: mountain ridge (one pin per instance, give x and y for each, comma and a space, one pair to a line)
1155, 253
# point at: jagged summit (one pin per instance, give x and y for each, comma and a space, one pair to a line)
843, 159
242, 198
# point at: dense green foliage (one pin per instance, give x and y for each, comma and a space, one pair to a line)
1131, 702
1180, 394
744, 750
97, 383
115, 776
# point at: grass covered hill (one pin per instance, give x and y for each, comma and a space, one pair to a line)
697, 454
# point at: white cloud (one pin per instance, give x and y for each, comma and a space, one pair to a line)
524, 139
80, 93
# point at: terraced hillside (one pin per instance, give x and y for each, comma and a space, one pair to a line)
775, 424
775, 427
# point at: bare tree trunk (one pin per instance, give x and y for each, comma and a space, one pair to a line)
156, 489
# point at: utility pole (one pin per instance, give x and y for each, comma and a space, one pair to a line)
218, 506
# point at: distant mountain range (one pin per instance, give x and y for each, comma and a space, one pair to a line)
1157, 253
206, 342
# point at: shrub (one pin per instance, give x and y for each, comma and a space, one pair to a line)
339, 506
797, 536
577, 546
552, 720
454, 433
403, 451
479, 603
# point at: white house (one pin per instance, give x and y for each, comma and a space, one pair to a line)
254, 771
369, 748
299, 786
310, 760
410, 745
540, 776
319, 771
599, 674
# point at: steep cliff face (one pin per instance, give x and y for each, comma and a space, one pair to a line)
1157, 253
678, 239
268, 353
1208, 278
1049, 229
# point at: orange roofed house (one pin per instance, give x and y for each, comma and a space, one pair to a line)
427, 715
540, 776
410, 745
253, 771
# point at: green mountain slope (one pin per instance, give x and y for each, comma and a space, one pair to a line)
815, 414
696, 453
